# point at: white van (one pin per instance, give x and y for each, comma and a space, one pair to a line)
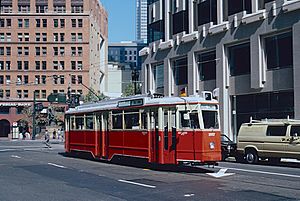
269, 139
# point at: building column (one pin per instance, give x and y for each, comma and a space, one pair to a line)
167, 20
168, 78
222, 82
296, 66
191, 16
220, 8
254, 6
68, 6
193, 78
258, 72
50, 6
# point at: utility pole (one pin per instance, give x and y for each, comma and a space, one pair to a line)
33, 117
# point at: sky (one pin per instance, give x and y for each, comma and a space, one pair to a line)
121, 19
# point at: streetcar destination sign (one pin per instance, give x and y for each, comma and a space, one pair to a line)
127, 103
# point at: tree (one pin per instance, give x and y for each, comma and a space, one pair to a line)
91, 97
129, 90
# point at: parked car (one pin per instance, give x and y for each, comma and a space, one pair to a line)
269, 139
228, 147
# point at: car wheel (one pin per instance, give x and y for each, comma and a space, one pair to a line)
251, 156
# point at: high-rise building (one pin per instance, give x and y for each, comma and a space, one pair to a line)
47, 46
247, 51
141, 20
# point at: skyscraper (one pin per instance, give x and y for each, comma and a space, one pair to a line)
141, 20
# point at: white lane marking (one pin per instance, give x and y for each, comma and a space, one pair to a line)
220, 173
189, 195
3, 150
134, 183
14, 156
263, 172
55, 165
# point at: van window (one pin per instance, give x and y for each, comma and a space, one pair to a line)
276, 131
295, 130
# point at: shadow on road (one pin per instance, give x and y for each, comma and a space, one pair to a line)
140, 163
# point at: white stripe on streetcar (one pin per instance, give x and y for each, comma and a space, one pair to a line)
14, 156
55, 165
263, 172
135, 183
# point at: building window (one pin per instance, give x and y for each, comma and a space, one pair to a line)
73, 51
61, 65
62, 37
1, 51
62, 23
20, 23
180, 22
8, 37
38, 22
207, 66
43, 79
73, 65
158, 73
7, 65
79, 65
79, 49
55, 37
207, 12
73, 37
44, 23
19, 79
239, 59
25, 79
2, 23
44, 94
55, 65
2, 37
79, 79
20, 37
80, 23
7, 93
236, 6
37, 37
44, 65
37, 65
26, 51
73, 79
26, 37
279, 51
62, 79
7, 77
73, 23
1, 79
55, 23
37, 79
8, 22
44, 35
26, 65
180, 71
25, 93
19, 63
44, 51
8, 51
26, 23
80, 37
37, 51
55, 51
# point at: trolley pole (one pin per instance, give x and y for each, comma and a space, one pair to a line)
33, 117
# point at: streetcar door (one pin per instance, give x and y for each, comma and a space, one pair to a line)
169, 136
154, 138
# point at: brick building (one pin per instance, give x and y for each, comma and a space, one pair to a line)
47, 46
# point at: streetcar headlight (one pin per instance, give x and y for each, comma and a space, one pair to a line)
212, 145
228, 147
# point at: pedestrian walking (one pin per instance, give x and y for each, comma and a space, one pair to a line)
47, 139
58, 134
54, 134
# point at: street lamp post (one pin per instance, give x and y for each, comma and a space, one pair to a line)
33, 116
135, 77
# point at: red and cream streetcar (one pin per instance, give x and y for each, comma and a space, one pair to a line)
163, 130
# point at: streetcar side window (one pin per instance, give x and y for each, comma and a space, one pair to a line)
72, 123
210, 119
144, 120
79, 123
192, 122
117, 120
132, 120
89, 122
184, 123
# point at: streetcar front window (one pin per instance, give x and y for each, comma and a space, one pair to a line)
210, 119
191, 122
89, 122
132, 121
79, 123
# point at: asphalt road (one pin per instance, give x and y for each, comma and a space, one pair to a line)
30, 171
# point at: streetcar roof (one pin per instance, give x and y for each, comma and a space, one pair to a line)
144, 100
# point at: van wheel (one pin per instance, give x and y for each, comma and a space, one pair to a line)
251, 156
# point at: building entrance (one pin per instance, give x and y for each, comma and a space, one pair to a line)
4, 128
